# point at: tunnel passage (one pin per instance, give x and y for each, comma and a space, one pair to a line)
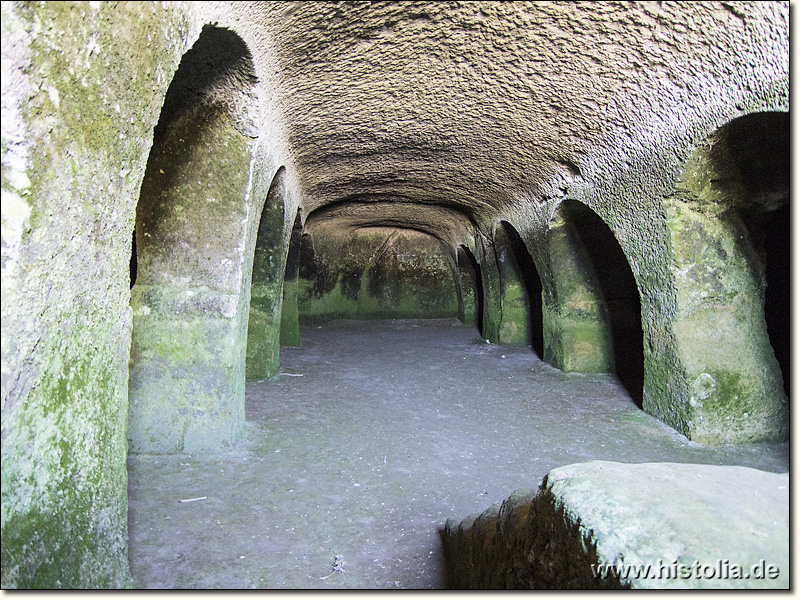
263, 343
730, 232
597, 300
186, 384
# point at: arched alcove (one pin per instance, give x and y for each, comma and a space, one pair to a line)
263, 331
760, 146
729, 225
290, 325
189, 301
597, 304
471, 288
522, 287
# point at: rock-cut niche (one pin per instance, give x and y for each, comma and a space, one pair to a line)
598, 306
186, 377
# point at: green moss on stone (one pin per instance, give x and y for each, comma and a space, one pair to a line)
186, 379
263, 341
87, 111
380, 274
331, 305
290, 332
733, 380
515, 324
64, 508
587, 346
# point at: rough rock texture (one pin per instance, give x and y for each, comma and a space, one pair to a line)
186, 391
83, 88
376, 273
697, 526
263, 337
76, 135
451, 117
443, 119
720, 263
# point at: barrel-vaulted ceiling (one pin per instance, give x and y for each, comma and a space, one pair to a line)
434, 114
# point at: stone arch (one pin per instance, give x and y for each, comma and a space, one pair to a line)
593, 320
189, 301
760, 145
263, 331
491, 284
290, 324
470, 287
521, 290
729, 233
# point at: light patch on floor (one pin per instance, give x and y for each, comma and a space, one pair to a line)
348, 472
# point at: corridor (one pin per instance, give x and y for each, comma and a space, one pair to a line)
373, 435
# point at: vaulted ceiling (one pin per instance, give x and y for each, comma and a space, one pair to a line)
435, 115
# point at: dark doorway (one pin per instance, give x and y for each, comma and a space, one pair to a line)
471, 289
760, 146
620, 294
133, 264
777, 295
529, 275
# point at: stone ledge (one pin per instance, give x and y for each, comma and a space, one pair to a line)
686, 520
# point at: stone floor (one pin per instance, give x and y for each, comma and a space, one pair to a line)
374, 434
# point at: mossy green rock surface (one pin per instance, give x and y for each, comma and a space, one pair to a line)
694, 526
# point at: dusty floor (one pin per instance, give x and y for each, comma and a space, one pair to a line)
374, 436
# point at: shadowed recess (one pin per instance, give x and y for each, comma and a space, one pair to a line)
620, 294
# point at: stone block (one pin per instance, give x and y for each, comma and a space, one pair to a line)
609, 525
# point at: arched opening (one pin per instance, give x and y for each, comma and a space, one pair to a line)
730, 237
189, 300
263, 331
471, 303
524, 270
759, 144
596, 302
620, 293
290, 326
776, 246
307, 281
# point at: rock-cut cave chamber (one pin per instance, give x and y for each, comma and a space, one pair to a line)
228, 224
